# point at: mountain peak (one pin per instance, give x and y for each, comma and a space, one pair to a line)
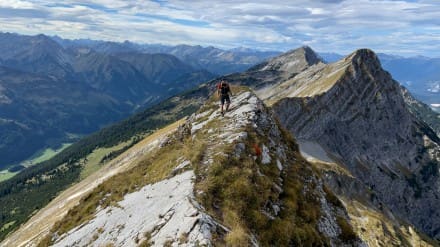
365, 53
41, 38
366, 63
293, 61
304, 52
365, 56
307, 50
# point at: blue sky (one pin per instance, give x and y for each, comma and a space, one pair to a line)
404, 28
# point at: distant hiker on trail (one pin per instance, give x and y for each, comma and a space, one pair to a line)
223, 91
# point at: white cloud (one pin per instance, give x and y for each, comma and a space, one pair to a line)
317, 11
400, 27
16, 4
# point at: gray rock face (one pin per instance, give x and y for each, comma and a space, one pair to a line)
277, 70
364, 122
165, 210
294, 61
422, 111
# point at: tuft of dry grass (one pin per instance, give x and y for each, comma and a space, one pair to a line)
347, 234
238, 236
146, 242
46, 241
168, 243
332, 198
183, 238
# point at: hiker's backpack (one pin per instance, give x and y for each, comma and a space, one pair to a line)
224, 88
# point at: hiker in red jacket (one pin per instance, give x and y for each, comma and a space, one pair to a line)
223, 91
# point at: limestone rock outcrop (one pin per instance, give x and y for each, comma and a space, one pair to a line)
362, 122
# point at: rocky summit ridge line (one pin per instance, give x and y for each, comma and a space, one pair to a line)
362, 122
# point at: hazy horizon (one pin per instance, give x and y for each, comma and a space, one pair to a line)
208, 45
405, 28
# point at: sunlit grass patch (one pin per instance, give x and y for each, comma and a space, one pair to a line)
5, 175
93, 161
47, 154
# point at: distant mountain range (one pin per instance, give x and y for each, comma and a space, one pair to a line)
421, 75
215, 60
51, 88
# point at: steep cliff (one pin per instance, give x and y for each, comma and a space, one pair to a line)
354, 113
422, 111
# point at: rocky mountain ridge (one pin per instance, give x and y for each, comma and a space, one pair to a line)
191, 206
417, 73
363, 123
